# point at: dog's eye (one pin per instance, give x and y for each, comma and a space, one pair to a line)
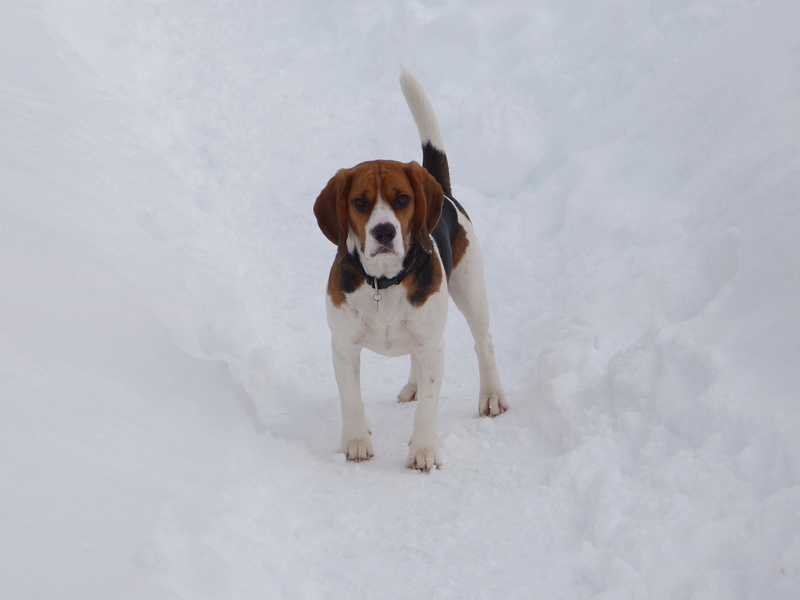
361, 204
402, 201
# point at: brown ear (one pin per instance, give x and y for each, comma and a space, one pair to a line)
331, 210
428, 200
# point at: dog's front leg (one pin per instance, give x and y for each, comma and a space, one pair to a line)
356, 437
423, 451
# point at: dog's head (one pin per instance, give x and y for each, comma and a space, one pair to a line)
380, 209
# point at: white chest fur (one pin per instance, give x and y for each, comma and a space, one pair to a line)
390, 326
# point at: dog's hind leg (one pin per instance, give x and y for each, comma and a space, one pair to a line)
468, 291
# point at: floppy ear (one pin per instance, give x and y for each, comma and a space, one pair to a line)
428, 200
331, 210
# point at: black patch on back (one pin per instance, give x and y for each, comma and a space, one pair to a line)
435, 161
445, 234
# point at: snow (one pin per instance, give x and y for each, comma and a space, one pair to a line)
169, 414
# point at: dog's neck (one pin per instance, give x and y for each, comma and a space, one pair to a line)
390, 277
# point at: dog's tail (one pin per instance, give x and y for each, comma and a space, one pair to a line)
434, 158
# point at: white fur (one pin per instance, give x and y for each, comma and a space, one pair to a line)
393, 327
383, 213
468, 290
422, 110
384, 264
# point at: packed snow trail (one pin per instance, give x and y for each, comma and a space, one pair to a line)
170, 418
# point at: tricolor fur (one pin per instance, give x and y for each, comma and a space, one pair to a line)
404, 246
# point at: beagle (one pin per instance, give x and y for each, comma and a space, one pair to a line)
404, 246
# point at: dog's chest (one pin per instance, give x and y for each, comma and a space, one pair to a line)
390, 326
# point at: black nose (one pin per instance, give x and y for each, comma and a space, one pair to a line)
384, 233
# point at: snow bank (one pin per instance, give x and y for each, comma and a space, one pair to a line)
169, 411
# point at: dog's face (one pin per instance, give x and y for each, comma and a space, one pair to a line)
380, 208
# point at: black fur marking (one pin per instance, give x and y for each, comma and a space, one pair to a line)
445, 234
435, 161
427, 279
350, 277
459, 207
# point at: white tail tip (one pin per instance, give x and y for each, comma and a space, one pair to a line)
422, 110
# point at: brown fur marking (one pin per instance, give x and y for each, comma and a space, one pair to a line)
459, 246
345, 278
370, 180
424, 281
387, 179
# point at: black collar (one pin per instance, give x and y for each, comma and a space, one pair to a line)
385, 282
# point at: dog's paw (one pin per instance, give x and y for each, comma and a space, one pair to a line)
424, 458
358, 450
408, 393
492, 404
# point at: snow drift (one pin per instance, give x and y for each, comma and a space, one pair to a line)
170, 417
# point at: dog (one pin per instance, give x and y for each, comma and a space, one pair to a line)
404, 246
